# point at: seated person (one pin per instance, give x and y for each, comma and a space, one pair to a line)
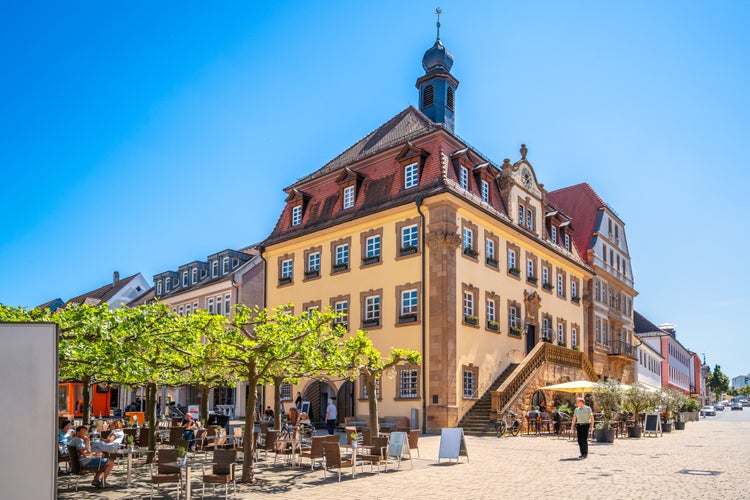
113, 441
90, 458
268, 414
190, 425
293, 416
304, 425
64, 434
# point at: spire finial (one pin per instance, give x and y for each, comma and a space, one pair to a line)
438, 12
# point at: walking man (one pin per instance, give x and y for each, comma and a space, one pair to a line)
331, 415
583, 422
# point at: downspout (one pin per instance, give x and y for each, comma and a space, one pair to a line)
418, 201
265, 273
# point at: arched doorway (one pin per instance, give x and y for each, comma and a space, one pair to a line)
317, 393
346, 402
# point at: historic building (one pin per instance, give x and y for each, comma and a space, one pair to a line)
116, 293
677, 367
416, 237
215, 285
600, 238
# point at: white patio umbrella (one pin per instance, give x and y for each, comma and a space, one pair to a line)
573, 386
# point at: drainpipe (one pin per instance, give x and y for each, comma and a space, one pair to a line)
422, 302
265, 273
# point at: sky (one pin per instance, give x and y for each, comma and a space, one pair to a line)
140, 136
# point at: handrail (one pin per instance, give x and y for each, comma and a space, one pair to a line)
491, 380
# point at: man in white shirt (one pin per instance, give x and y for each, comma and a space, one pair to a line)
331, 417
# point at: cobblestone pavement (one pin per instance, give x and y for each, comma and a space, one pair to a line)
709, 458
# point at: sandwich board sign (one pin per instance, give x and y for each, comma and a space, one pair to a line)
653, 424
452, 444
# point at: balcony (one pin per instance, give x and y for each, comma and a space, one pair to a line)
622, 348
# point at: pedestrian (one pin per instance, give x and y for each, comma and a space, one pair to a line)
583, 422
298, 401
331, 415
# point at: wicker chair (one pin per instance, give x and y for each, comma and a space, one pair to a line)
237, 436
316, 451
222, 471
165, 470
377, 455
414, 440
76, 469
268, 444
333, 458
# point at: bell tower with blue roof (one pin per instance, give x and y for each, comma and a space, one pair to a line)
437, 87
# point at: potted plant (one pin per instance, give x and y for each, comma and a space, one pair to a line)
493, 325
471, 320
470, 252
130, 440
608, 396
637, 401
516, 330
689, 410
670, 401
353, 436
181, 456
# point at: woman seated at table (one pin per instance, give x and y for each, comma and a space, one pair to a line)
113, 442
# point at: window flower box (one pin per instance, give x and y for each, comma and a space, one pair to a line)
547, 339
407, 318
341, 266
514, 271
470, 252
562, 344
516, 330
491, 262
371, 260
371, 322
312, 273
471, 320
531, 279
576, 299
547, 286
407, 250
493, 325
285, 280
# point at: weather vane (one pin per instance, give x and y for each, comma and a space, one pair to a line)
438, 12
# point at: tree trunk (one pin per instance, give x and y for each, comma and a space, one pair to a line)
277, 402
86, 400
151, 420
248, 441
372, 404
203, 388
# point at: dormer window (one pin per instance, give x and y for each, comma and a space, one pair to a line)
567, 242
411, 176
158, 287
553, 234
184, 278
297, 215
166, 285
214, 268
485, 191
226, 265
463, 178
348, 201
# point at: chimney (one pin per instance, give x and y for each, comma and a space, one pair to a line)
115, 278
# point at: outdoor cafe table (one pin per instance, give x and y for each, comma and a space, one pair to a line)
129, 452
187, 465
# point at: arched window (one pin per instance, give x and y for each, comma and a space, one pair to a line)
428, 96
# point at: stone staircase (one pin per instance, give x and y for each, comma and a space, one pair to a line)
477, 422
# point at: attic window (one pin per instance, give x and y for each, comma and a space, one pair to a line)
450, 98
297, 215
428, 96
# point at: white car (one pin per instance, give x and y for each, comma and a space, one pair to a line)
708, 411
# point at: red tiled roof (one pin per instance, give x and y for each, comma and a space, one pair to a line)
101, 294
582, 204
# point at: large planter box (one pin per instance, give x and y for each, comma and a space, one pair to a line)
604, 435
666, 427
679, 426
635, 432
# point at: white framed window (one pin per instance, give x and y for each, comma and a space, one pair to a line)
313, 262
348, 197
167, 281
545, 275
227, 304
573, 289
195, 275
573, 337
285, 391
529, 268
560, 285
530, 219
468, 304
195, 306
210, 306
514, 317
491, 310
180, 310
567, 242
411, 176
342, 308
225, 265
470, 384
463, 177
546, 328
521, 215
485, 191
512, 259
184, 278
286, 268
409, 302
553, 234
408, 383
296, 215
560, 333
214, 268
342, 254
597, 330
489, 248
158, 287
372, 308
372, 246
188, 309
468, 238
409, 236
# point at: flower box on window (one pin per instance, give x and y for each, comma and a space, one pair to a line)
312, 273
285, 280
470, 252
516, 330
562, 344
493, 325
547, 286
407, 318
531, 279
576, 299
407, 250
491, 262
371, 322
547, 339
341, 266
471, 320
371, 260
514, 271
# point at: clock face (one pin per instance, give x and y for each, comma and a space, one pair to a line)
526, 178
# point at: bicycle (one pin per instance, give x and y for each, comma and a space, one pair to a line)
507, 423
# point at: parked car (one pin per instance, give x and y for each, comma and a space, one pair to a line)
718, 407
736, 406
708, 411
745, 402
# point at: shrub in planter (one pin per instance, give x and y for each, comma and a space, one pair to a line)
608, 397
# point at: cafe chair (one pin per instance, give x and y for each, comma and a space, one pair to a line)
333, 459
76, 469
222, 471
166, 470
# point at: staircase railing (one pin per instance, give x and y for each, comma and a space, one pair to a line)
480, 389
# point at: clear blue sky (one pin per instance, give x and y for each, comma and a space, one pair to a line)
139, 136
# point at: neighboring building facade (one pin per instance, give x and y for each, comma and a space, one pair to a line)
648, 369
677, 366
600, 237
417, 238
740, 381
215, 285
117, 293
